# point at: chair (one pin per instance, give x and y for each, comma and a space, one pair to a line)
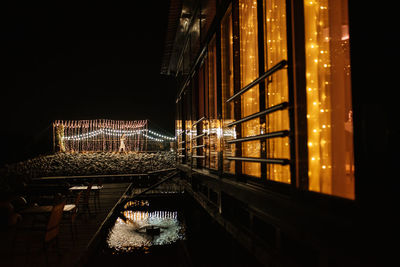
97, 193
50, 230
73, 213
53, 225
86, 197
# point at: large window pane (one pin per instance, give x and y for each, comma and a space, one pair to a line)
276, 86
227, 90
329, 110
249, 72
215, 128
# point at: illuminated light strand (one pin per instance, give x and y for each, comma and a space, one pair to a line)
161, 136
99, 135
112, 132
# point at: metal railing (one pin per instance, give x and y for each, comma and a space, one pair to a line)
272, 109
261, 136
194, 148
200, 120
278, 66
271, 161
284, 105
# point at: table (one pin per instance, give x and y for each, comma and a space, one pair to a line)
95, 188
84, 187
45, 209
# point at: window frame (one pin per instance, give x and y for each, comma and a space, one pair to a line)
297, 97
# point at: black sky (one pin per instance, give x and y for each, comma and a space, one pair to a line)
75, 61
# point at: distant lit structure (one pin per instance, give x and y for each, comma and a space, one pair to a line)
104, 136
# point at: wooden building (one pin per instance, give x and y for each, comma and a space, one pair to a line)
281, 135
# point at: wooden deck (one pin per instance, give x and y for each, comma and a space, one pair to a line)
18, 249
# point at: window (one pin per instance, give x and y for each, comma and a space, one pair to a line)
227, 89
249, 72
188, 121
276, 87
201, 114
208, 12
329, 109
179, 133
214, 127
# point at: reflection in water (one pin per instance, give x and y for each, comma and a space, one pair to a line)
131, 234
137, 203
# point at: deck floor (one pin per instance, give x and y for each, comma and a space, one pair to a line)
18, 249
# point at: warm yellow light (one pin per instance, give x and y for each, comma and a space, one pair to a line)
249, 72
330, 149
277, 90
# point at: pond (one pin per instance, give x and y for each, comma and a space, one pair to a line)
140, 227
168, 232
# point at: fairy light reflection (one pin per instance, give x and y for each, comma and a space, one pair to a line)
130, 234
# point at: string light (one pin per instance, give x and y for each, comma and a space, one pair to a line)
164, 137
104, 135
111, 132
100, 135
276, 88
324, 52
318, 74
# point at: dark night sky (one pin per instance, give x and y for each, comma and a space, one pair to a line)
71, 61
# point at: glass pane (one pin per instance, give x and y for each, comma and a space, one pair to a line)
227, 90
329, 110
278, 148
215, 128
249, 72
276, 87
199, 141
178, 134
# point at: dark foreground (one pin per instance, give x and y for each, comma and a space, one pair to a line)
24, 248
205, 242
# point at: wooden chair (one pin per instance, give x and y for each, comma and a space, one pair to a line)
97, 193
86, 198
53, 225
73, 213
50, 230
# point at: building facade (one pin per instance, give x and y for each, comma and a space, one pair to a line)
270, 123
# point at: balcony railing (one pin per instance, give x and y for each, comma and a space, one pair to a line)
284, 105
